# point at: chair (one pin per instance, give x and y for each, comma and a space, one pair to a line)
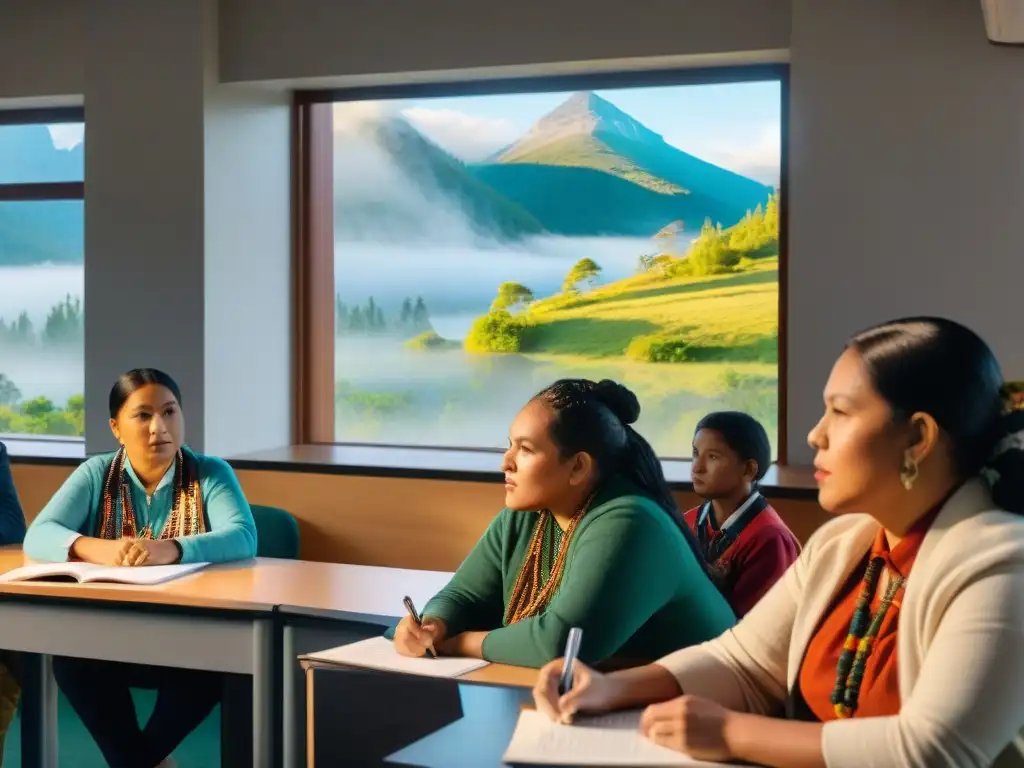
277, 533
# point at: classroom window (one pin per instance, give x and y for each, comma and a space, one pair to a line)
484, 244
41, 273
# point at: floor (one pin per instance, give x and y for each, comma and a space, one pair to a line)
76, 749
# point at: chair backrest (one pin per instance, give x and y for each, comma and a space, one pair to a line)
277, 532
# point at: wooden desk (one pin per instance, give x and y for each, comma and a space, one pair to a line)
228, 611
451, 713
346, 603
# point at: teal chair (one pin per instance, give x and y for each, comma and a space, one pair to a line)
277, 533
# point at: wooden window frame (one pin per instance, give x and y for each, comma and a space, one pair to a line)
314, 218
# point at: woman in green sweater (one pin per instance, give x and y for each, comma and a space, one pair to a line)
590, 538
153, 502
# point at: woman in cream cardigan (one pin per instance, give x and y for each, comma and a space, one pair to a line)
920, 455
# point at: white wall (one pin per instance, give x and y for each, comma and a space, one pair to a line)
906, 181
906, 154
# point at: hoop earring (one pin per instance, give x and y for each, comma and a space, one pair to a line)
908, 473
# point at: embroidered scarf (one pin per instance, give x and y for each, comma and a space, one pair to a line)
118, 515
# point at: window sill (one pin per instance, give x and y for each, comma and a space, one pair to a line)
465, 466
38, 449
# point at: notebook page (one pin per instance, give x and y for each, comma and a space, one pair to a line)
606, 740
145, 575
379, 653
44, 570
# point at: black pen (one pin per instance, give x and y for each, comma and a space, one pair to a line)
572, 650
415, 616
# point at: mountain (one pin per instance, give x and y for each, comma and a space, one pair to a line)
39, 231
589, 168
394, 184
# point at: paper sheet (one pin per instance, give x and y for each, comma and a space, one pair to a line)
606, 740
88, 573
379, 653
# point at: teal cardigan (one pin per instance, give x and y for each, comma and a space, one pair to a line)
75, 510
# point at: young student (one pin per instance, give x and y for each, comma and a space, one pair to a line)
590, 538
745, 543
12, 531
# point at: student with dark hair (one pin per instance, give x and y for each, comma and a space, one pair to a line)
12, 531
896, 637
152, 502
745, 543
590, 538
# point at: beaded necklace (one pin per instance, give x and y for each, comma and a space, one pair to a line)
861, 639
186, 518
542, 568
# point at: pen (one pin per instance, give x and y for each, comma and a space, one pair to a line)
572, 650
415, 616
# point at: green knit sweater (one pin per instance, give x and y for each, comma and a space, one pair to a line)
631, 583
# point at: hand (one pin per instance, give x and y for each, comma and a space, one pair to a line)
413, 640
689, 724
149, 552
591, 692
100, 551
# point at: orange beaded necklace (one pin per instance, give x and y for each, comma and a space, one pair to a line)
532, 591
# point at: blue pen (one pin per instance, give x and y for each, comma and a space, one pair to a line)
572, 650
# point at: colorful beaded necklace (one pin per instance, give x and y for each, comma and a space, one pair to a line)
861, 639
186, 518
542, 568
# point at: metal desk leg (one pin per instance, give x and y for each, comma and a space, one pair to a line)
38, 712
263, 671
292, 747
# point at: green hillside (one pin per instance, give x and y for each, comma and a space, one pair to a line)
587, 151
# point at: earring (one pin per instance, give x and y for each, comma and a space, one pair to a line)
908, 472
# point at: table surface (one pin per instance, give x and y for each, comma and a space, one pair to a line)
260, 584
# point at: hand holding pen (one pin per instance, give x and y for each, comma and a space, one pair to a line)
422, 634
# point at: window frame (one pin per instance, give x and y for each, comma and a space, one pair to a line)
313, 185
42, 191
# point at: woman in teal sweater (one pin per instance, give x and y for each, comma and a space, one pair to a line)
153, 502
590, 538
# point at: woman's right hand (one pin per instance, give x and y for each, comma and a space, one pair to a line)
100, 551
591, 692
414, 640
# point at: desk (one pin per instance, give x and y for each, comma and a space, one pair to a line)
228, 611
442, 720
343, 604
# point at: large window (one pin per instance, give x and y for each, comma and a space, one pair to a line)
41, 273
485, 245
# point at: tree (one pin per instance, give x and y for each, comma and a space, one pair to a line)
356, 321
420, 316
340, 315
584, 270
511, 296
406, 316
9, 393
378, 319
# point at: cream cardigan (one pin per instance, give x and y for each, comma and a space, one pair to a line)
960, 644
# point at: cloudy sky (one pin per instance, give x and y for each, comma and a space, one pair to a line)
737, 125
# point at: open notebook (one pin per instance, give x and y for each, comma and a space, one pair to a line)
88, 572
605, 740
379, 653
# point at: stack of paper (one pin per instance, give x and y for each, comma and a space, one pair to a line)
379, 653
607, 740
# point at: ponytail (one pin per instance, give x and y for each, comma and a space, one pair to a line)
1004, 469
642, 467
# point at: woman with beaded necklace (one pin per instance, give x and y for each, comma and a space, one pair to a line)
590, 538
922, 454
153, 502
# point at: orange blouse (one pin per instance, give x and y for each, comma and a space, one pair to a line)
879, 691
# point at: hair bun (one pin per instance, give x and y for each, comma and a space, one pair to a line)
619, 399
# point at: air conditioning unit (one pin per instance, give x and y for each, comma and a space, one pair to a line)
1004, 21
